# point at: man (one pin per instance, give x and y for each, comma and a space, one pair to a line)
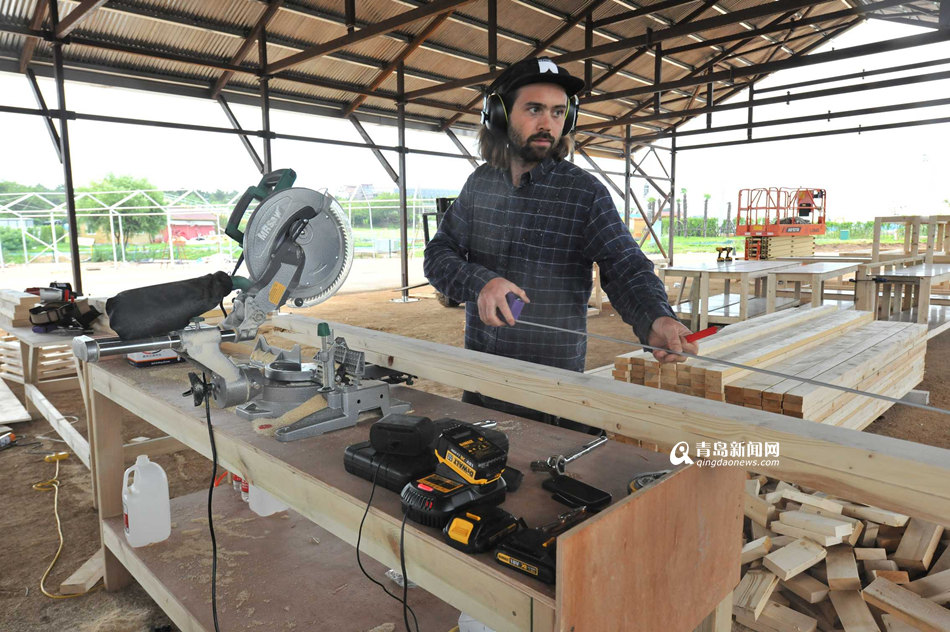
531, 223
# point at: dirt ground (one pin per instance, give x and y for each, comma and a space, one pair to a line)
27, 518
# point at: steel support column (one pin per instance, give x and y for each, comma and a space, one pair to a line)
64, 153
626, 178
669, 252
403, 207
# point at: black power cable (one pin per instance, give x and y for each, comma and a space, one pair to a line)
405, 578
214, 475
359, 537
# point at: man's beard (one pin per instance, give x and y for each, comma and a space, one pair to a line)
528, 152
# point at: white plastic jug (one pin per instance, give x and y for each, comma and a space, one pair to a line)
263, 502
145, 503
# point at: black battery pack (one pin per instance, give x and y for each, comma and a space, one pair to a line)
395, 472
406, 435
532, 552
479, 528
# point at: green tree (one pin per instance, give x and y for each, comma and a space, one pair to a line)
134, 219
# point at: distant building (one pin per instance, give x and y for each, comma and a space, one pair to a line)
190, 224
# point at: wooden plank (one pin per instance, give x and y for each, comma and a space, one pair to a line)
869, 554
853, 612
152, 447
756, 549
816, 523
76, 442
758, 510
907, 606
108, 470
694, 504
819, 538
875, 514
918, 544
778, 618
813, 500
842, 569
753, 592
793, 559
934, 587
806, 587
893, 624
898, 577
942, 563
85, 577
876, 470
11, 410
720, 619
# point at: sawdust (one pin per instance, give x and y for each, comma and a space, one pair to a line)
241, 598
385, 627
119, 620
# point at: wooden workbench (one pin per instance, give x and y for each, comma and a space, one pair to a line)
701, 309
815, 274
673, 544
915, 305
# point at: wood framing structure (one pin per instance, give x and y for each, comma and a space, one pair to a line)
703, 504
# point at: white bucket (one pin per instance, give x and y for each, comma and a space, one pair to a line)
145, 503
262, 502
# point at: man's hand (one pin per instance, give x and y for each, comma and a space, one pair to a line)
670, 333
491, 300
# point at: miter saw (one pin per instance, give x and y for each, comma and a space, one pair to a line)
298, 249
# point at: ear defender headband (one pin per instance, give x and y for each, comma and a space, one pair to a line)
495, 112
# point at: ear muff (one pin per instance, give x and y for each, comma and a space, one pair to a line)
570, 116
495, 114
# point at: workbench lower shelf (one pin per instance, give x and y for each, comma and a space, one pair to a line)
310, 580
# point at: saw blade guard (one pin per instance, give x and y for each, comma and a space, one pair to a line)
325, 241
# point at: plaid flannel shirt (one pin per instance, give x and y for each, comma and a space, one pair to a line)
544, 236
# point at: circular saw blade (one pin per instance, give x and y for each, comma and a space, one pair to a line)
326, 242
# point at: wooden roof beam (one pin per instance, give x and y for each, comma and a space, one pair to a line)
36, 23
401, 57
248, 44
77, 15
435, 8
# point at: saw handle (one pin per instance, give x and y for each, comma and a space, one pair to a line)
271, 182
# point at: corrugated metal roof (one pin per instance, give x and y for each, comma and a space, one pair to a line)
182, 41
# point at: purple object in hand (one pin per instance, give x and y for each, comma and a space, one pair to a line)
515, 304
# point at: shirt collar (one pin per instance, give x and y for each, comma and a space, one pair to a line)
541, 169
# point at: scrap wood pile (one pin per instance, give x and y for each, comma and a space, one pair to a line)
842, 347
776, 247
815, 562
15, 307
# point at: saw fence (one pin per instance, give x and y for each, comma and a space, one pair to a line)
846, 348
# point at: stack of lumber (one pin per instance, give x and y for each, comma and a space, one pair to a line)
846, 348
15, 307
814, 562
11, 359
776, 247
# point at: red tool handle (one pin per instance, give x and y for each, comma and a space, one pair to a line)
699, 335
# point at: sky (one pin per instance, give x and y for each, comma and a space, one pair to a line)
899, 171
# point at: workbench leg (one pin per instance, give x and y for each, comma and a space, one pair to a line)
703, 302
26, 360
720, 619
907, 302
771, 296
923, 301
726, 288
109, 465
885, 305
816, 290
743, 298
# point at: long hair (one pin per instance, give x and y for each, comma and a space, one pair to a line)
494, 149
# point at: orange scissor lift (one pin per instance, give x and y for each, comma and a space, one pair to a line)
773, 213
